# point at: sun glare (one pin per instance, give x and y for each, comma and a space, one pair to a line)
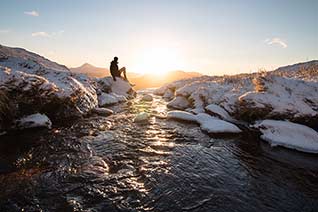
158, 60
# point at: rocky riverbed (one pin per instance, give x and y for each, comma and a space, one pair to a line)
115, 164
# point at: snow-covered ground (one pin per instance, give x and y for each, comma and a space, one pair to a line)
288, 93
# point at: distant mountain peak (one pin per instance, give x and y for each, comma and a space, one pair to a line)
87, 65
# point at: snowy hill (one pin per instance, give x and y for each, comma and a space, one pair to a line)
307, 71
18, 57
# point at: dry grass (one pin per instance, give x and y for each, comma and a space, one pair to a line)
259, 80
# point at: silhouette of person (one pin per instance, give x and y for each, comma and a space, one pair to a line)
115, 72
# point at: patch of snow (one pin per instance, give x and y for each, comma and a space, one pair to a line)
216, 109
212, 124
289, 135
207, 123
288, 97
181, 115
33, 121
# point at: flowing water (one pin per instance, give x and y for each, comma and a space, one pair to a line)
112, 164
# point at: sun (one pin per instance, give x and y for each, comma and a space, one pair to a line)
158, 60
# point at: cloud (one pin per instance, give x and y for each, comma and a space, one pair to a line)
276, 41
32, 13
46, 34
40, 34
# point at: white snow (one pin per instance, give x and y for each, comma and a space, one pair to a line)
141, 117
216, 109
34, 120
181, 115
289, 135
212, 124
289, 97
207, 123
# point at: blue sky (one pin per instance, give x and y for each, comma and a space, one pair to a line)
214, 37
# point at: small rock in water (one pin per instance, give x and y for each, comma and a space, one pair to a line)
147, 98
141, 117
103, 111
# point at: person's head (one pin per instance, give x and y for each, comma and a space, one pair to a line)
116, 59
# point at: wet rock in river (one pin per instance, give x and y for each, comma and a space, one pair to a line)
147, 98
141, 117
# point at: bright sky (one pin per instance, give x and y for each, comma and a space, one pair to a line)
209, 36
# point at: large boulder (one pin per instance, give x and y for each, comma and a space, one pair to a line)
119, 87
35, 84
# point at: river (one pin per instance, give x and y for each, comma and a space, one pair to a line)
113, 164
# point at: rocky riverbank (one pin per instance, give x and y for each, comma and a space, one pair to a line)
31, 84
288, 94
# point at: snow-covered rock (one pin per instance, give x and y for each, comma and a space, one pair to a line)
147, 97
119, 87
105, 99
212, 124
103, 111
181, 115
207, 123
33, 83
141, 117
33, 121
289, 135
168, 94
217, 110
282, 97
179, 102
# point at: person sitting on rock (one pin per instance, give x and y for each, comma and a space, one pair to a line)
115, 72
